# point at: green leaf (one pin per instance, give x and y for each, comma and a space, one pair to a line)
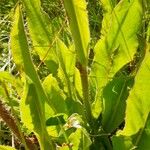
6, 77
80, 139
55, 120
138, 141
19, 43
148, 32
121, 142
138, 103
115, 94
96, 106
95, 96
138, 108
108, 5
142, 139
40, 33
77, 15
6, 148
2, 93
76, 107
66, 58
38, 21
34, 93
77, 83
119, 44
55, 94
10, 84
31, 105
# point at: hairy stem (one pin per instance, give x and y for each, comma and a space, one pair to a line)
85, 89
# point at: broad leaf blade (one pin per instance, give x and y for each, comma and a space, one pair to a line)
138, 141
31, 105
138, 108
115, 94
40, 33
77, 15
138, 104
118, 43
121, 142
19, 43
66, 58
80, 139
6, 148
55, 94
108, 6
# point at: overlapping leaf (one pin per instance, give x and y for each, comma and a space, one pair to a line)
34, 96
138, 109
54, 93
66, 59
138, 141
77, 15
114, 99
118, 43
6, 77
40, 33
81, 139
8, 81
6, 148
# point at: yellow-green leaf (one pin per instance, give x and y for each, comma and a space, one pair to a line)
40, 32
118, 46
137, 119
78, 18
34, 95
6, 148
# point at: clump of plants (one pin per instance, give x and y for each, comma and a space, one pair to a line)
95, 92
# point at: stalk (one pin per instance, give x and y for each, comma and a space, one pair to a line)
12, 124
85, 89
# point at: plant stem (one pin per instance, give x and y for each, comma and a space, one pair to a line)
85, 89
11, 123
